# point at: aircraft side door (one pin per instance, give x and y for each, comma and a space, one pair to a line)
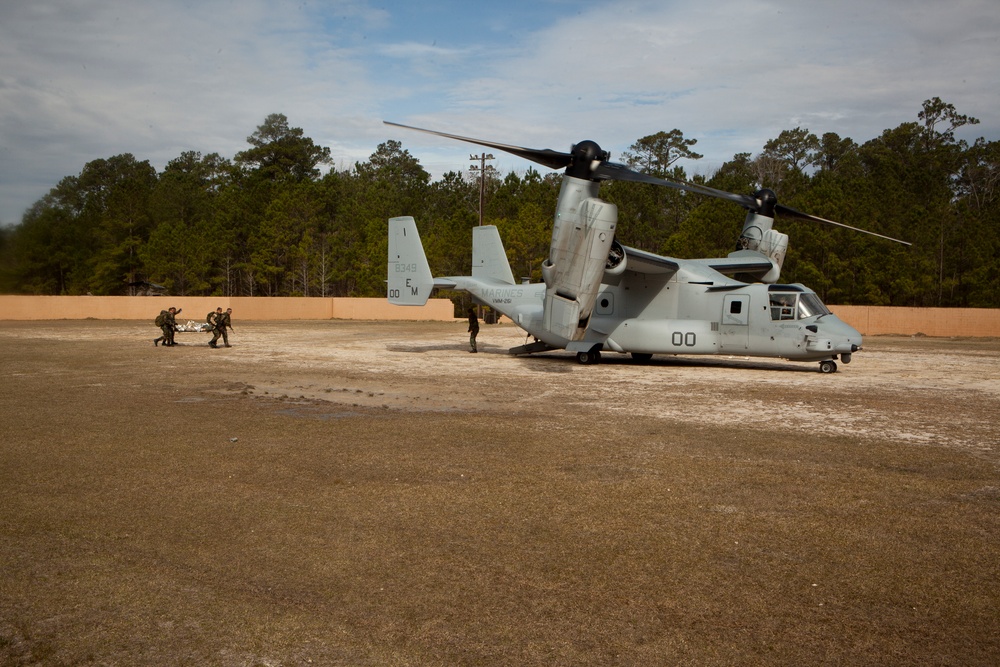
734, 328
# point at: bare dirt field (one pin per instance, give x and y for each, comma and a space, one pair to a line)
364, 493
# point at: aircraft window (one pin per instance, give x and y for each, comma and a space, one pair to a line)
810, 306
782, 306
735, 307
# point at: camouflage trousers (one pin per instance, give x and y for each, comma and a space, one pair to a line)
168, 334
223, 333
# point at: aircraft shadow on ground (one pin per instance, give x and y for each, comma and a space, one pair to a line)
618, 360
423, 349
563, 362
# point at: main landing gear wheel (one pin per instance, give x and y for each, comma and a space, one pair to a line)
828, 366
588, 358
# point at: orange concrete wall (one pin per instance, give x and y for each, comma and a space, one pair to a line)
876, 320
196, 307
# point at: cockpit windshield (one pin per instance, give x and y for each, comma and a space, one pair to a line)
796, 306
811, 306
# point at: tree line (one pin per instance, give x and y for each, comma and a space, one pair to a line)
271, 222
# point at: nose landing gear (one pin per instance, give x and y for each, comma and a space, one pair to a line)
828, 366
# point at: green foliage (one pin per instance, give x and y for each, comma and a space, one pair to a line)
182, 249
793, 148
269, 222
116, 210
281, 153
656, 153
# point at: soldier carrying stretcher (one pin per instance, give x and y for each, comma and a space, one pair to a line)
221, 322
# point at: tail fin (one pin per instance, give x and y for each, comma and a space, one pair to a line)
489, 261
410, 282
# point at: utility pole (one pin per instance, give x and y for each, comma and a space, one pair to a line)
481, 168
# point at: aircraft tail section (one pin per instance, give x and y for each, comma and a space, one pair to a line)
489, 260
410, 282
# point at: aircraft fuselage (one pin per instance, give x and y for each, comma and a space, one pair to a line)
647, 314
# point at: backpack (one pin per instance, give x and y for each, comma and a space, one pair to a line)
161, 319
210, 318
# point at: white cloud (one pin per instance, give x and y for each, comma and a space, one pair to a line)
735, 74
89, 80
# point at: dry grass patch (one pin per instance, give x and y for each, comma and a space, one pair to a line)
432, 527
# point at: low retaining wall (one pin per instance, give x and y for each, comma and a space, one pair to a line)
196, 307
869, 320
941, 322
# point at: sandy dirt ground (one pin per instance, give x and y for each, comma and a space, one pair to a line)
364, 493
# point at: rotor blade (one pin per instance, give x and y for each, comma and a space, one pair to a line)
620, 172
605, 170
546, 156
787, 210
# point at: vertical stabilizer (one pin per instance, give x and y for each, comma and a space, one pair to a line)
409, 281
489, 260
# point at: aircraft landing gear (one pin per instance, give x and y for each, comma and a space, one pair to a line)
589, 357
828, 366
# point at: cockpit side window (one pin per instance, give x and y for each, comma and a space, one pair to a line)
782, 306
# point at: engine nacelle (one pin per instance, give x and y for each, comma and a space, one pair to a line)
774, 245
759, 235
582, 238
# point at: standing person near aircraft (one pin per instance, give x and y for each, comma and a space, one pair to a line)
223, 321
473, 329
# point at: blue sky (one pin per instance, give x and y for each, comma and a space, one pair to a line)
94, 78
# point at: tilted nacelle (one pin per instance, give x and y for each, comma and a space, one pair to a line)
759, 236
582, 238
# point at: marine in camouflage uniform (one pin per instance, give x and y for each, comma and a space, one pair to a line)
223, 321
161, 321
212, 318
169, 322
473, 329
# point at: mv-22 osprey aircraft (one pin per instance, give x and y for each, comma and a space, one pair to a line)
599, 295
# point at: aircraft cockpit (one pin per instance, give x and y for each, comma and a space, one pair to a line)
794, 302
